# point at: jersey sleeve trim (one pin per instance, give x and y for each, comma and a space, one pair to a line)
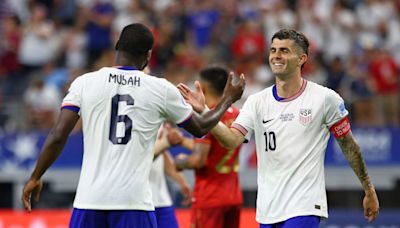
341, 128
240, 128
73, 108
186, 121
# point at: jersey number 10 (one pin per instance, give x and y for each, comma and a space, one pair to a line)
270, 141
115, 119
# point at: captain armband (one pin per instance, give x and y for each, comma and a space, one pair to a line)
341, 128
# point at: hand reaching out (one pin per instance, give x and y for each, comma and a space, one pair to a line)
234, 87
195, 99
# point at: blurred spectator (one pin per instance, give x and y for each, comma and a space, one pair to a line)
277, 16
40, 41
99, 30
311, 23
202, 16
363, 110
248, 46
163, 52
385, 75
339, 32
129, 12
75, 43
42, 102
336, 70
9, 45
55, 75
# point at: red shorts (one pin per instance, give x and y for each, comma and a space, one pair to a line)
216, 217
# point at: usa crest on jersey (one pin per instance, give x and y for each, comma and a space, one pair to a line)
305, 116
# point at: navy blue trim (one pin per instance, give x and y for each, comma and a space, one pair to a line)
127, 68
72, 108
185, 122
275, 93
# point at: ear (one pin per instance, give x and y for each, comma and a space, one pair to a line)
303, 59
148, 55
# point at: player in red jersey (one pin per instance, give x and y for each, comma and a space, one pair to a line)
217, 196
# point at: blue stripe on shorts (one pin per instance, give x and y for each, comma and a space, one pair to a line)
310, 221
112, 219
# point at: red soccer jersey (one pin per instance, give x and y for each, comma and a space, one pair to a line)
217, 183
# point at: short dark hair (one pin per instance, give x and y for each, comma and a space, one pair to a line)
289, 34
216, 77
135, 39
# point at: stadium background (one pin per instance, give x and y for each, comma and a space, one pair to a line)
45, 44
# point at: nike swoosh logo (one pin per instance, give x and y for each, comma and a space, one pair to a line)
266, 121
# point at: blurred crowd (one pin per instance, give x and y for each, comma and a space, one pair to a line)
45, 44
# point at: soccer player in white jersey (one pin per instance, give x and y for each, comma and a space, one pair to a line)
122, 109
292, 121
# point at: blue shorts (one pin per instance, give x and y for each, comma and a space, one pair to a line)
112, 218
310, 221
166, 217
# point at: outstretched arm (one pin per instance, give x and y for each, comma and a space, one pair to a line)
51, 150
352, 152
172, 172
229, 138
199, 125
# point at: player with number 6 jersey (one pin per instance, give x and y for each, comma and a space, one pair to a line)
134, 112
122, 109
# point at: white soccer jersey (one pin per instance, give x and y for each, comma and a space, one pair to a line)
158, 183
121, 112
291, 138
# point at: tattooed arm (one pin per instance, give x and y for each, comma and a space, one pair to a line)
352, 152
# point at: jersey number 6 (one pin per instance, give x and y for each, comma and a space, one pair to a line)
115, 119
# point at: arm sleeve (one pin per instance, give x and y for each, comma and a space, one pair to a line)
335, 109
73, 99
245, 120
176, 107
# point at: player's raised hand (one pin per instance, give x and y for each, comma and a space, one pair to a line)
31, 187
371, 205
234, 87
195, 98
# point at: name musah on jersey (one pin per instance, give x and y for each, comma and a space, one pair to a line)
124, 80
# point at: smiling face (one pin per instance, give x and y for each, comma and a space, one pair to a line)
285, 59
